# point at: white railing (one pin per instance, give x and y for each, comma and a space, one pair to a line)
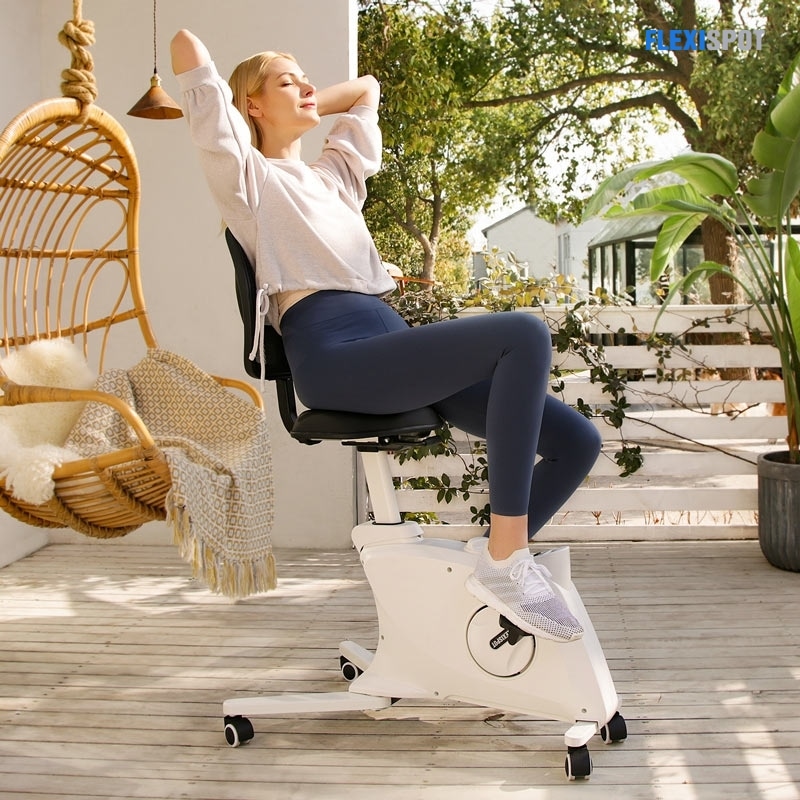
699, 434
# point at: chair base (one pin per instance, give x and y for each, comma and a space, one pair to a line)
438, 642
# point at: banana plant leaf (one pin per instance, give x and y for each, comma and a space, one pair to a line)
777, 149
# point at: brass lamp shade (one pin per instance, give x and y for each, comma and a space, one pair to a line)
155, 103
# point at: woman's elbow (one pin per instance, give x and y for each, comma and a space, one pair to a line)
187, 51
371, 95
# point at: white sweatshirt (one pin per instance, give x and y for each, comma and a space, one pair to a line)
300, 224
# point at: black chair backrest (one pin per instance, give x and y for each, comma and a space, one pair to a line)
276, 366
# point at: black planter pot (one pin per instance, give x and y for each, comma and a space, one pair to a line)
779, 510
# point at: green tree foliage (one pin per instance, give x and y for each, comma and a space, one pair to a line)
436, 171
588, 70
547, 97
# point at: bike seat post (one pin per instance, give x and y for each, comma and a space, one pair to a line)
380, 486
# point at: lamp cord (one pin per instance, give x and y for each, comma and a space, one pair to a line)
155, 50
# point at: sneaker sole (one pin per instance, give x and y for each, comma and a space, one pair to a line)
477, 589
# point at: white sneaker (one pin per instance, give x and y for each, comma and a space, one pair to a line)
517, 588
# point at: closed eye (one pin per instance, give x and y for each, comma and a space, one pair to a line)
288, 78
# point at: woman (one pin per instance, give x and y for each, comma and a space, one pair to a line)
302, 227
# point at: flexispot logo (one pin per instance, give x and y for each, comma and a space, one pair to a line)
716, 40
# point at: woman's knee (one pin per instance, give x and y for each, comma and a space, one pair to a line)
584, 435
566, 433
584, 445
525, 330
592, 439
528, 324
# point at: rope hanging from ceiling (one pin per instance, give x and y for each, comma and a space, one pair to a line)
78, 81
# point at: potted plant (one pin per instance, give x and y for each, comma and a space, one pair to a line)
707, 185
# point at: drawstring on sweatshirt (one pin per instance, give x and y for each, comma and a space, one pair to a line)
262, 307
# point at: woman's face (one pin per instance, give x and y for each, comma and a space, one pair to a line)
287, 100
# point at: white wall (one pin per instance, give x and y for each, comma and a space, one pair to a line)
20, 64
541, 244
531, 239
187, 275
574, 255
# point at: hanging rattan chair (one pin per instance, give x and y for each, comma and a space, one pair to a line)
69, 247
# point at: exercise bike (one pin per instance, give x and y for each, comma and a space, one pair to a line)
437, 642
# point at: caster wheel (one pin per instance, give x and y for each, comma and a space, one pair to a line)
615, 730
578, 763
348, 669
238, 730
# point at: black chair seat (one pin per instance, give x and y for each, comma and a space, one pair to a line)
342, 425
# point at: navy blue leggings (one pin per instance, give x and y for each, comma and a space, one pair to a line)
487, 375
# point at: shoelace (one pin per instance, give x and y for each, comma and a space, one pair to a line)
531, 576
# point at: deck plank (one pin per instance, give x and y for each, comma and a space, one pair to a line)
114, 664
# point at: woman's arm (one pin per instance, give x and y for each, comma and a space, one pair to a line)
221, 136
341, 97
188, 52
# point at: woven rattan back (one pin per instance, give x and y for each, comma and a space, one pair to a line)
69, 208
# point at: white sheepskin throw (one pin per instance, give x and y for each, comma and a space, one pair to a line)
32, 435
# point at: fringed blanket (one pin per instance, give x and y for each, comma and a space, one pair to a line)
218, 450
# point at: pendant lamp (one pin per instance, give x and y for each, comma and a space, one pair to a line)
155, 103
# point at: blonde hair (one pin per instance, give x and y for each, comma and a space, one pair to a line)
248, 80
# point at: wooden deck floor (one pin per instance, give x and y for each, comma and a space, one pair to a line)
113, 667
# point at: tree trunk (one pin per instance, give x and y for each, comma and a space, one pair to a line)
429, 263
720, 246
